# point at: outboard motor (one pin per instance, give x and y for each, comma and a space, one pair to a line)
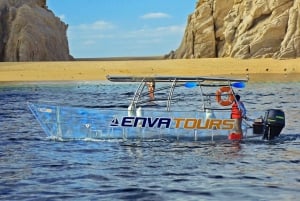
274, 122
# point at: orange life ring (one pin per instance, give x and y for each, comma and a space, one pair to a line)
228, 91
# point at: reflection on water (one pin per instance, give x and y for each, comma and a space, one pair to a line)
33, 167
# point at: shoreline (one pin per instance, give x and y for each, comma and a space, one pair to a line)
257, 70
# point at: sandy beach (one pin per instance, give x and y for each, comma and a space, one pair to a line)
254, 69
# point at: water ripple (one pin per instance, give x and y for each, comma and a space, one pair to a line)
33, 167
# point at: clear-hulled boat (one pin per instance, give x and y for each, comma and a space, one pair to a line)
162, 107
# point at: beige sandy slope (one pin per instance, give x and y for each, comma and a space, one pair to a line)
255, 69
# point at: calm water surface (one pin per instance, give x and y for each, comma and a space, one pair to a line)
33, 167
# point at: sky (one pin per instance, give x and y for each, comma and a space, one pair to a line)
121, 28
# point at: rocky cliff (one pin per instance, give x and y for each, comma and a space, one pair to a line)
29, 31
242, 29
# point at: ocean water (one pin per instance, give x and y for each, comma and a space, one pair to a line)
33, 167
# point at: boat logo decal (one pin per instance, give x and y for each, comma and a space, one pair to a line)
177, 123
114, 122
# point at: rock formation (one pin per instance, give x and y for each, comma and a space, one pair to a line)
242, 29
29, 31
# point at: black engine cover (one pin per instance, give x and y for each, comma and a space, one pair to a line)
274, 122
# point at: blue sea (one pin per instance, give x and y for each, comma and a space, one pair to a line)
34, 167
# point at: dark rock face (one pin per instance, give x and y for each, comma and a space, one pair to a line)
29, 31
242, 29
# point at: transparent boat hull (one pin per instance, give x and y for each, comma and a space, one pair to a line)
66, 122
